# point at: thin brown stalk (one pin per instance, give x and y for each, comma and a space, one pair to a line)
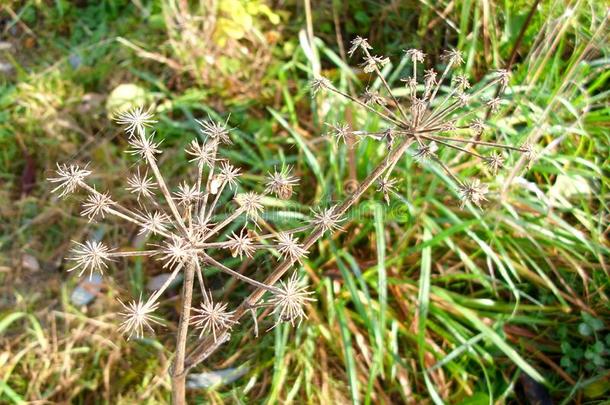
178, 370
472, 141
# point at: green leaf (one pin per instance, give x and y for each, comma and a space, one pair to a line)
382, 280
423, 300
496, 339
350, 362
9, 319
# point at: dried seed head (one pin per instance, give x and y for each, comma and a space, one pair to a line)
495, 162
503, 76
212, 316
217, 132
187, 195
96, 204
473, 192
241, 244
154, 222
339, 131
319, 83
175, 251
387, 186
143, 186
416, 55
478, 126
461, 82
463, 99
289, 301
252, 204
373, 62
138, 315
289, 247
281, 183
203, 154
371, 97
135, 120
229, 174
494, 104
69, 177
426, 152
326, 219
359, 42
453, 57
144, 147
92, 256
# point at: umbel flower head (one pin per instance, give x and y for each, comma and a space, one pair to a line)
138, 316
289, 301
91, 255
281, 183
187, 223
442, 109
212, 316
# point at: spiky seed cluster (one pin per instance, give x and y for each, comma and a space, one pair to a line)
96, 205
319, 83
212, 316
185, 220
327, 219
416, 55
473, 192
495, 162
426, 152
187, 195
229, 175
289, 300
217, 132
241, 244
69, 178
289, 247
91, 255
453, 57
138, 316
176, 251
155, 222
339, 131
144, 147
370, 97
387, 186
433, 117
203, 154
251, 203
141, 185
359, 43
135, 121
281, 183
373, 63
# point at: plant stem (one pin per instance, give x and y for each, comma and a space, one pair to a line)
178, 373
207, 346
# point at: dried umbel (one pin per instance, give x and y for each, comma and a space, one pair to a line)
442, 109
186, 226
